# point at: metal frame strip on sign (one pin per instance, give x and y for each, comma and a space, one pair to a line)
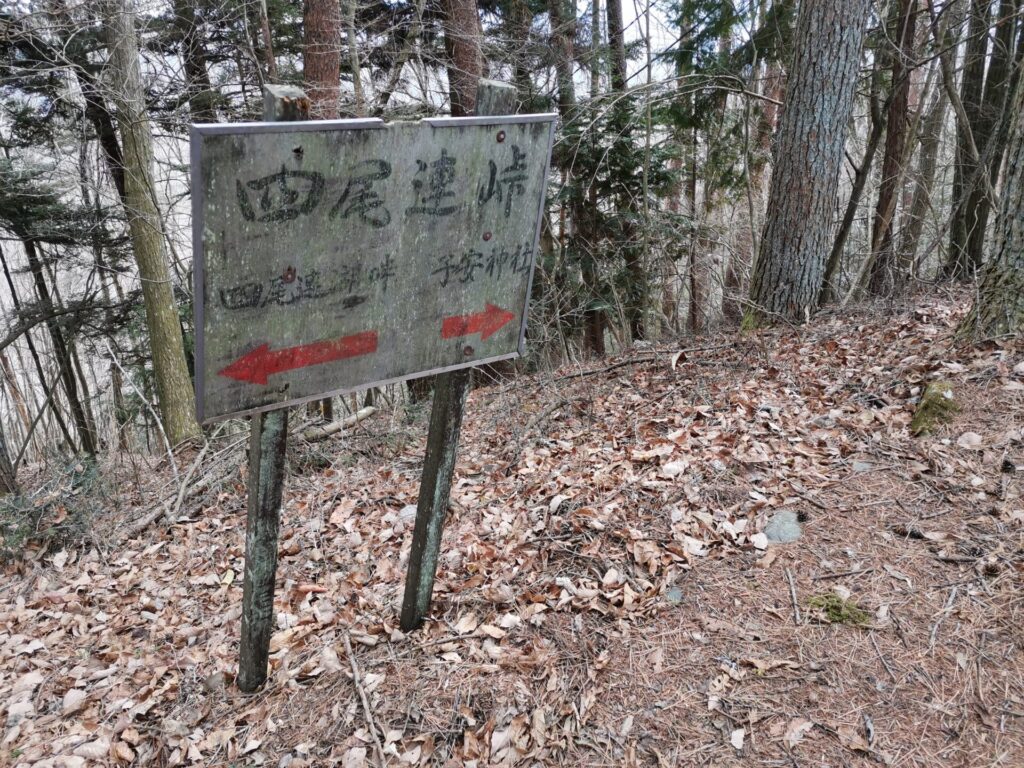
198, 202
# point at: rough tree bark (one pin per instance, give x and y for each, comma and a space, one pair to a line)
808, 155
462, 41
174, 387
321, 67
616, 44
321, 58
999, 308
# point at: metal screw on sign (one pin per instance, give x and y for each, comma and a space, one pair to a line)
501, 136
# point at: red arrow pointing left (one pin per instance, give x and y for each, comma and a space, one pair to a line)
255, 366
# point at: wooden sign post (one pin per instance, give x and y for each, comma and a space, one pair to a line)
450, 392
333, 256
268, 447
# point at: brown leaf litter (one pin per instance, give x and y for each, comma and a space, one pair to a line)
604, 594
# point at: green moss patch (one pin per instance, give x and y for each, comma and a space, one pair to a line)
836, 610
937, 406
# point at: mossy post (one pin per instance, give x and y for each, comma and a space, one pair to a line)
937, 406
450, 391
268, 445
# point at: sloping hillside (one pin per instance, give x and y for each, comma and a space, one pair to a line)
606, 596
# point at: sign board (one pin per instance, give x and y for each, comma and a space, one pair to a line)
337, 255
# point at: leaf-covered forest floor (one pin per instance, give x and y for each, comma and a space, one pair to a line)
604, 598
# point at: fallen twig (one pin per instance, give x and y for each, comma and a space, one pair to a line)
841, 574
319, 433
168, 509
792, 596
367, 712
881, 658
942, 615
638, 361
955, 558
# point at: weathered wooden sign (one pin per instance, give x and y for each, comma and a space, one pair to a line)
337, 255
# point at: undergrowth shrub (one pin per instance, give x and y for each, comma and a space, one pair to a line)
58, 512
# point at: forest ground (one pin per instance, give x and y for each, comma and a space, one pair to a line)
603, 596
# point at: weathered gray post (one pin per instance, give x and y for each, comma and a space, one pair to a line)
450, 391
268, 444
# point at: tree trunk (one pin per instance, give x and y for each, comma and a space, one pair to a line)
321, 57
883, 278
987, 135
268, 44
321, 66
38, 363
462, 40
808, 155
636, 293
563, 23
174, 387
354, 64
86, 434
616, 44
593, 317
931, 134
8, 478
517, 19
202, 97
968, 171
563, 32
595, 49
830, 284
16, 394
999, 309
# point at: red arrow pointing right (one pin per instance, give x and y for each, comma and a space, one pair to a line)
486, 323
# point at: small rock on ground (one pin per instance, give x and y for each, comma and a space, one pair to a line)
783, 527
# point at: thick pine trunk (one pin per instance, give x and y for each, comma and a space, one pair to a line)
462, 41
174, 387
616, 44
321, 66
808, 156
321, 57
999, 309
